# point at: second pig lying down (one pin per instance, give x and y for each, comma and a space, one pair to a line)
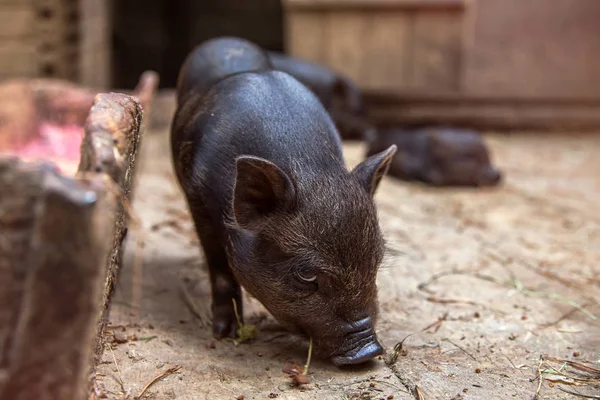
438, 156
260, 162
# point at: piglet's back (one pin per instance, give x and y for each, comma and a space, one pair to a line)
265, 114
215, 60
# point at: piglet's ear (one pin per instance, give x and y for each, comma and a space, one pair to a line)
371, 171
261, 190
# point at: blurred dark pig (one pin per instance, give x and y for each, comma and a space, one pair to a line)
340, 96
439, 156
276, 210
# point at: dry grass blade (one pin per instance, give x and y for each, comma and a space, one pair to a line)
170, 371
120, 377
571, 378
310, 348
540, 379
578, 366
244, 332
397, 350
301, 378
582, 395
570, 373
513, 283
561, 318
439, 300
419, 394
460, 348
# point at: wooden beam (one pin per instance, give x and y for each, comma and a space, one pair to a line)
389, 98
373, 4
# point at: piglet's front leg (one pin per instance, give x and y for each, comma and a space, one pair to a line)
225, 290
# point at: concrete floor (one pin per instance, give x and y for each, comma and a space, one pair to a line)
510, 274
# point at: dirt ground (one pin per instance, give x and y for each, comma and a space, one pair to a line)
485, 281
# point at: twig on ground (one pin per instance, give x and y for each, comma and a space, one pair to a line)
120, 380
437, 324
541, 379
419, 394
170, 371
585, 396
560, 319
513, 283
435, 299
581, 375
556, 296
504, 355
423, 285
581, 367
460, 348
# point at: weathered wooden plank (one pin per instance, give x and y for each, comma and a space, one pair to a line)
373, 4
15, 2
18, 59
525, 48
492, 115
435, 61
345, 32
387, 47
383, 97
305, 35
16, 21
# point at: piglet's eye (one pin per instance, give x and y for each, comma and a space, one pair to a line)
309, 279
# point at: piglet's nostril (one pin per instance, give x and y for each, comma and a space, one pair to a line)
361, 325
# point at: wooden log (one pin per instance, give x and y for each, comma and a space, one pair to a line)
110, 146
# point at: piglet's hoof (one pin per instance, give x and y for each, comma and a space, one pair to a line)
224, 322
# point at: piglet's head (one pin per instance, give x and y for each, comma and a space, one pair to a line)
307, 245
460, 157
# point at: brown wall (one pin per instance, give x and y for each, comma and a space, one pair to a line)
478, 48
533, 48
38, 38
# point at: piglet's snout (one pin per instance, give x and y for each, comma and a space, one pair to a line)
359, 344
